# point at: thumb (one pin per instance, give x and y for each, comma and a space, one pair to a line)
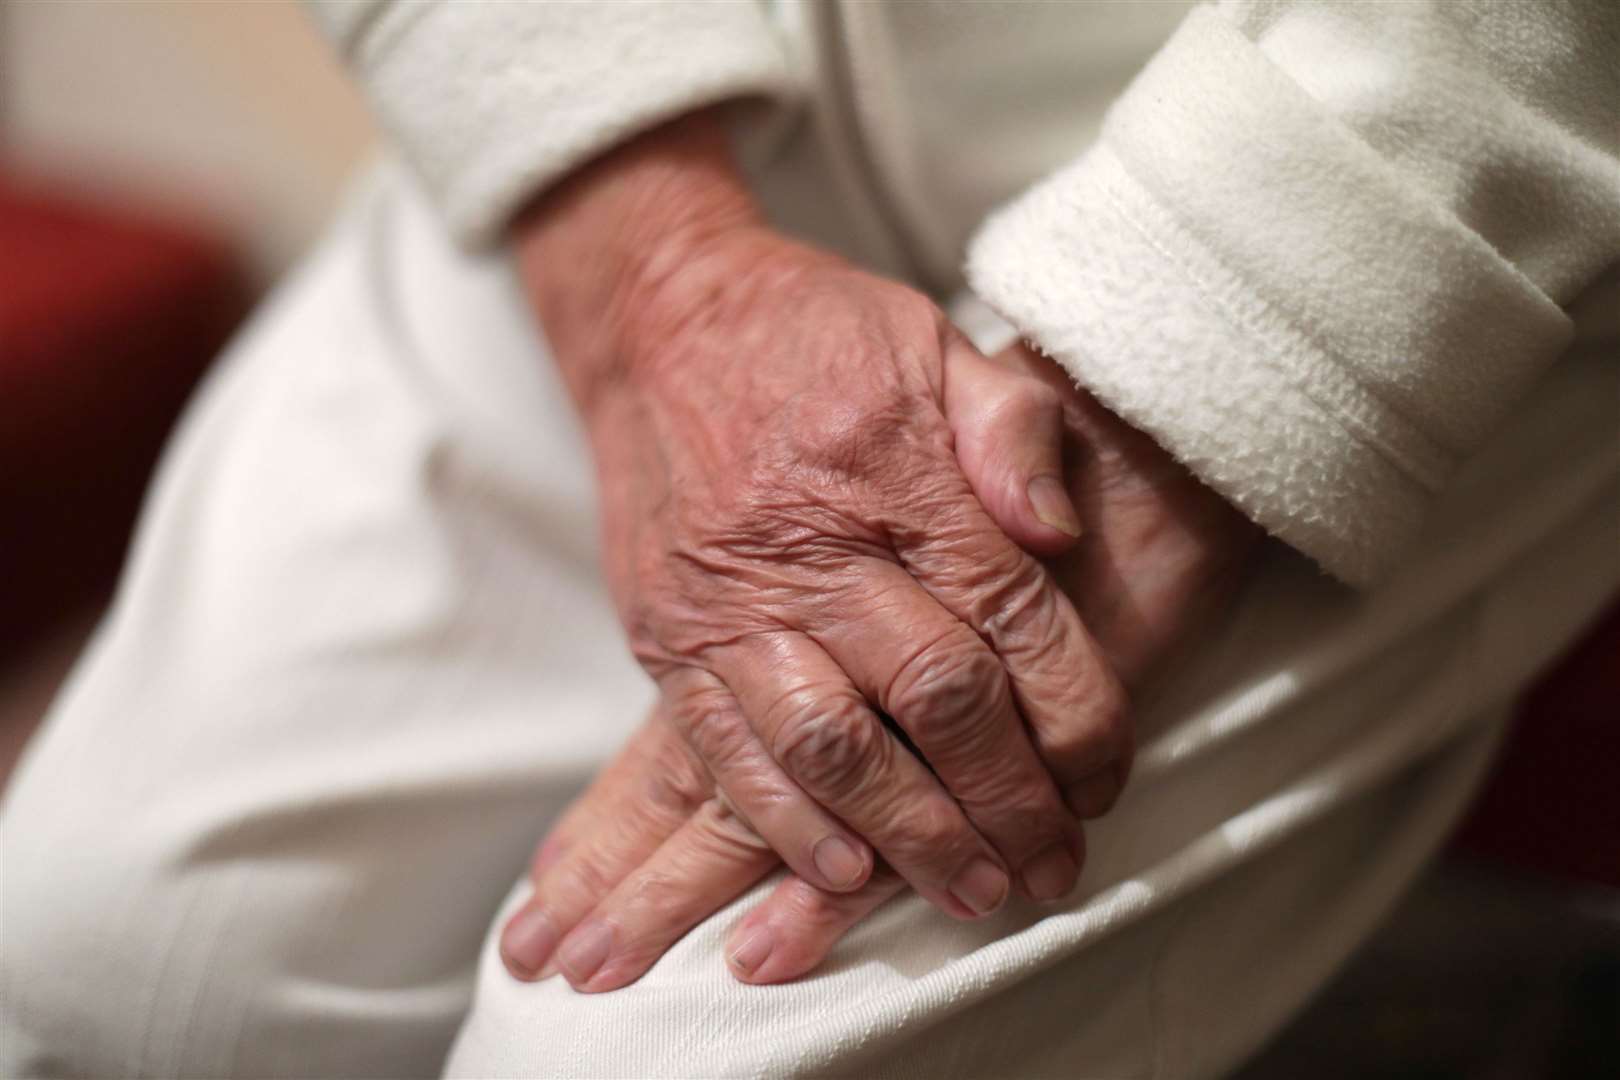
1008, 427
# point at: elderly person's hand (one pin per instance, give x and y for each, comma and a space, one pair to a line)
651, 849
794, 548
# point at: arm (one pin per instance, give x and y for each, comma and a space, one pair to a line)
1321, 248
789, 538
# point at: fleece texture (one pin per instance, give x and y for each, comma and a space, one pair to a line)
1320, 250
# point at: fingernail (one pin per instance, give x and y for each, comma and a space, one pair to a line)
584, 951
838, 862
1051, 504
527, 941
751, 952
981, 887
1050, 874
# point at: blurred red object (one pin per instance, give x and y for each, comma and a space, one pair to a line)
107, 320
1552, 804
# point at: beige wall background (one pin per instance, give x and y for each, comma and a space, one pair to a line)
235, 111
232, 112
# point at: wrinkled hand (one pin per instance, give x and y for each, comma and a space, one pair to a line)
793, 546
651, 849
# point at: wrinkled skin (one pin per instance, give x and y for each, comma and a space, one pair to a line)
794, 546
652, 849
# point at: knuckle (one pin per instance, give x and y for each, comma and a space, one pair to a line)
675, 783
713, 727
848, 440
930, 832
644, 899
946, 695
811, 909
1017, 608
1026, 813
578, 883
808, 913
1111, 717
1023, 402
727, 827
1103, 737
912, 317
1041, 396
829, 744
922, 314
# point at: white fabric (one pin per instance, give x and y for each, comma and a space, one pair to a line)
361, 657
497, 100
1319, 249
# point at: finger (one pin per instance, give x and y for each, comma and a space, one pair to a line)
638, 801
550, 850
588, 812
791, 933
702, 867
650, 749
1008, 430
820, 728
1061, 680
947, 690
816, 845
1024, 359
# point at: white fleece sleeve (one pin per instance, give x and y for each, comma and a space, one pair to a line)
1320, 249
492, 101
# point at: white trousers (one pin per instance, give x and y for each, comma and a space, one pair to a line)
361, 657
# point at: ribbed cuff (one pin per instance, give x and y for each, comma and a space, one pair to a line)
493, 101
1232, 271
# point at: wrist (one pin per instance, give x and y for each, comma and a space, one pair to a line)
597, 252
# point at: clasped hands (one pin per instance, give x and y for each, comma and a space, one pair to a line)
892, 591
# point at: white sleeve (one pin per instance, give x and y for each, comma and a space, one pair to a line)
492, 101
1320, 249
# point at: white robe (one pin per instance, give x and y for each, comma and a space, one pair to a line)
1318, 250
361, 656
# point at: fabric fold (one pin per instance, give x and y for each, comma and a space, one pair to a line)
491, 102
1235, 270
